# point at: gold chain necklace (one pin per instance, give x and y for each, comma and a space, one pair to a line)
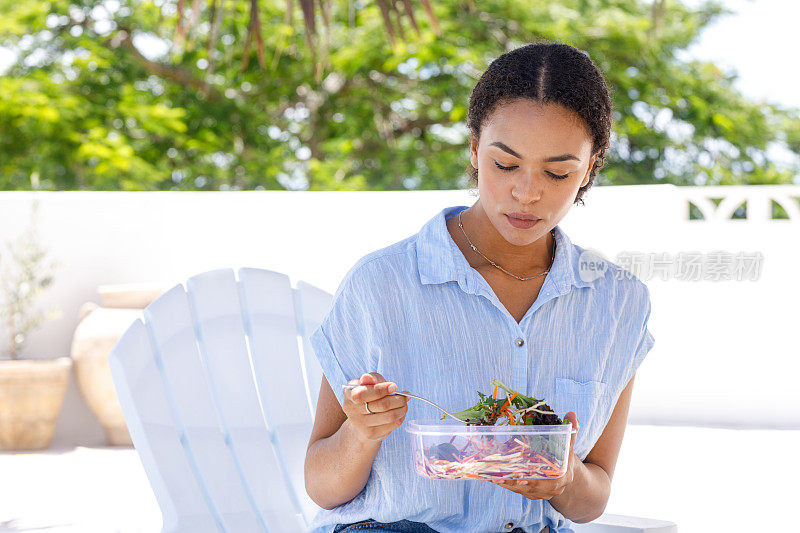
460, 225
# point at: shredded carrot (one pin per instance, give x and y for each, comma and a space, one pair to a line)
514, 395
553, 473
473, 455
504, 410
494, 394
546, 461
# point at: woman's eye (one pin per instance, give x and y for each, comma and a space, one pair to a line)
554, 176
501, 167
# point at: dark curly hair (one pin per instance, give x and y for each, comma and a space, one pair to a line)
546, 72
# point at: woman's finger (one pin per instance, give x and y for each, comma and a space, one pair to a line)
368, 393
385, 417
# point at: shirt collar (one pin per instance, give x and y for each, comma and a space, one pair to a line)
440, 260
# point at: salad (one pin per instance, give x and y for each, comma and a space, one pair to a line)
513, 410
483, 455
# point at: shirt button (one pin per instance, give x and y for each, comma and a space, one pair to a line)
520, 342
509, 525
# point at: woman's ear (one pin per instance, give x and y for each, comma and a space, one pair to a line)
473, 149
589, 171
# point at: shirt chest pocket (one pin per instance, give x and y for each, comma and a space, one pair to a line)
582, 397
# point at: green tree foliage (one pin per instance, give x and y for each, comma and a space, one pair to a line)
126, 95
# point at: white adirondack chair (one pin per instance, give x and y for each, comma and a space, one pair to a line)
219, 399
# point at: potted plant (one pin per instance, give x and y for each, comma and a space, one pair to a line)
31, 390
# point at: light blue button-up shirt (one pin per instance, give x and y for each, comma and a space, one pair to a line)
419, 314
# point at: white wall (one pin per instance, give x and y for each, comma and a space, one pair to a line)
716, 342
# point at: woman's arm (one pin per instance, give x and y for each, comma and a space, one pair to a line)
342, 447
337, 462
586, 497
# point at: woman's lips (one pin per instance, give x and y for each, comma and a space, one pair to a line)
520, 223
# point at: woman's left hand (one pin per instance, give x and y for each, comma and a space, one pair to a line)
544, 489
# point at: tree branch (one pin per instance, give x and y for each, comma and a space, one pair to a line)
170, 72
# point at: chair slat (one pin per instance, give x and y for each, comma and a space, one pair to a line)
269, 304
218, 312
314, 305
173, 333
140, 389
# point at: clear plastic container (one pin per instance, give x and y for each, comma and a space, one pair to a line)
445, 450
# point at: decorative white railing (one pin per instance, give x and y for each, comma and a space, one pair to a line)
760, 202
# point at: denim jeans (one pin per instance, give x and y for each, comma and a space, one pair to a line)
371, 526
403, 526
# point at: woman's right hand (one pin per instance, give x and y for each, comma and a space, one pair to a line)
388, 410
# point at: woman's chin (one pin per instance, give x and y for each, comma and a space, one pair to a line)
518, 240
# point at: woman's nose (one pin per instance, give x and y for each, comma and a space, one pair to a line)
527, 189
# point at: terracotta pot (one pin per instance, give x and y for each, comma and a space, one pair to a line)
96, 334
31, 395
130, 295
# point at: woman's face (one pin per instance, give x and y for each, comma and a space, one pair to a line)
547, 151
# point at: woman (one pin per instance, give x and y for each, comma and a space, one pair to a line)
490, 291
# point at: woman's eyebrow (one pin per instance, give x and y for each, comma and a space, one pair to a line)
555, 158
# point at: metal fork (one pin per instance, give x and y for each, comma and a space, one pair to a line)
412, 396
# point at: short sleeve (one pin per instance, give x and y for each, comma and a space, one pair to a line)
644, 339
343, 343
